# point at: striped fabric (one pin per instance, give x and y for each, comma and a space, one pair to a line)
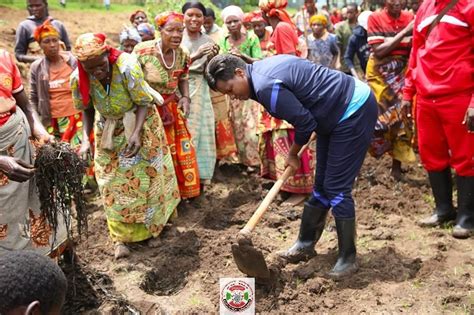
382, 28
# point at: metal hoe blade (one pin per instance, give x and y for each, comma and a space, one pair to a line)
250, 261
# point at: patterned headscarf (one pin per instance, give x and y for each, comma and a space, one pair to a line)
88, 46
257, 16
276, 8
318, 18
232, 10
146, 28
44, 30
165, 17
130, 33
132, 17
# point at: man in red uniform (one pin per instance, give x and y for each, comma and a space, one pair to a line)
441, 75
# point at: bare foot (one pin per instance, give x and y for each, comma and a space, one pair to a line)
121, 250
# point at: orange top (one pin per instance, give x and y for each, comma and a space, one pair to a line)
60, 95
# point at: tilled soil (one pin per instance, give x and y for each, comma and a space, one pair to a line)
403, 268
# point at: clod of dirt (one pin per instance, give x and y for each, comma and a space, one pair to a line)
318, 285
383, 236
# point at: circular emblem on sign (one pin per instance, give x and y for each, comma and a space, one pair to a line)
237, 296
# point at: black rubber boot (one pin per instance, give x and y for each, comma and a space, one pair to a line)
442, 187
464, 227
312, 225
346, 263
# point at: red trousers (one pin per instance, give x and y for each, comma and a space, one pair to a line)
442, 138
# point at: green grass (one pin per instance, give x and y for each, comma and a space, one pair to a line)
94, 6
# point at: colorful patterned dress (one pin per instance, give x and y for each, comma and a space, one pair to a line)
244, 114
139, 193
179, 139
386, 78
201, 121
275, 141
22, 225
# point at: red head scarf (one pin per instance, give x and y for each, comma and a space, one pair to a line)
276, 8
165, 17
44, 30
89, 46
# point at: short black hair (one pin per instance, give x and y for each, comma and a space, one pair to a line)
27, 276
354, 5
210, 13
222, 67
193, 5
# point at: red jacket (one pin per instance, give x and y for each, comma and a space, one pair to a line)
442, 64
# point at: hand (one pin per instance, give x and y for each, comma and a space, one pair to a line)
42, 135
293, 161
205, 50
469, 120
134, 145
16, 169
184, 104
84, 149
406, 110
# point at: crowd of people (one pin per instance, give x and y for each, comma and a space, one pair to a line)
182, 95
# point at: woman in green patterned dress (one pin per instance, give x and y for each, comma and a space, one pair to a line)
244, 114
133, 164
166, 68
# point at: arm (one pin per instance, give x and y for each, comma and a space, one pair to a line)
185, 101
87, 123
34, 86
134, 143
37, 129
21, 46
384, 49
349, 56
65, 37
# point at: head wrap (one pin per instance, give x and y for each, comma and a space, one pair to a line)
193, 5
130, 33
363, 19
318, 18
88, 46
257, 16
146, 28
247, 17
165, 17
276, 8
134, 14
44, 30
232, 10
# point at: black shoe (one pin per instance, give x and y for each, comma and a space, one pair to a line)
464, 227
346, 264
442, 187
311, 228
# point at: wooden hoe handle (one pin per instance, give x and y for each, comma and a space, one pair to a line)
262, 208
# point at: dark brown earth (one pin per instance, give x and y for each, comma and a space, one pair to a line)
404, 268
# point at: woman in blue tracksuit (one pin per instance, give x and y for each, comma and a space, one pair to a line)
340, 109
